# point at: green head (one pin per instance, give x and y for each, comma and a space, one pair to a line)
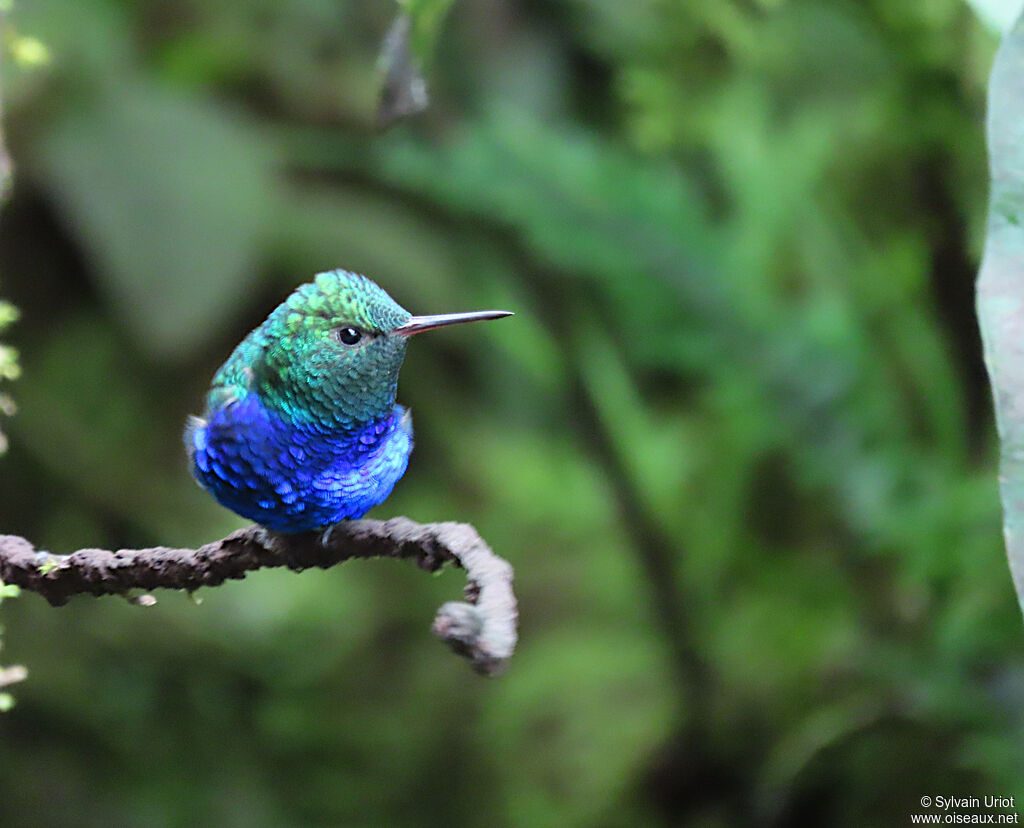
331, 353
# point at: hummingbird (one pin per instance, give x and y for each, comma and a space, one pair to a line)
301, 429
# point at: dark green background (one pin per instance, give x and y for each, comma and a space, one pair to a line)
737, 440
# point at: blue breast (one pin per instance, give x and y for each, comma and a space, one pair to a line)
293, 478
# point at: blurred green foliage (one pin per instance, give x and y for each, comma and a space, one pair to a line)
9, 368
736, 441
9, 675
427, 17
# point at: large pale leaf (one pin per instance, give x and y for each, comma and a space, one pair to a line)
997, 14
169, 197
1001, 284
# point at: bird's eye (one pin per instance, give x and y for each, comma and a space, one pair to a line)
349, 336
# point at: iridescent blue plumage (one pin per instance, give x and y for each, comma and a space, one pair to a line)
291, 478
301, 428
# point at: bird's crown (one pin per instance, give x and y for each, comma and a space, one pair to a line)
343, 298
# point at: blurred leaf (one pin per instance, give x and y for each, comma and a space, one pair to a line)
9, 367
998, 14
403, 91
169, 197
426, 17
1000, 297
407, 50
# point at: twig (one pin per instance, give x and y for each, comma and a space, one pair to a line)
483, 630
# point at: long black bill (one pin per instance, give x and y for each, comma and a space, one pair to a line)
419, 324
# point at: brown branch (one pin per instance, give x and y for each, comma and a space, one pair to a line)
483, 630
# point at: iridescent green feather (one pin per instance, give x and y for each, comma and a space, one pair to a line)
295, 362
